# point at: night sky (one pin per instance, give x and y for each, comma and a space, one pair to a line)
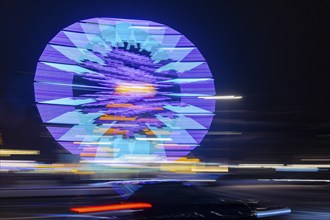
275, 54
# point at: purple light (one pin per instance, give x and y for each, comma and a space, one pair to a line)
128, 85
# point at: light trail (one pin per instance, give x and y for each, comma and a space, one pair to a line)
112, 207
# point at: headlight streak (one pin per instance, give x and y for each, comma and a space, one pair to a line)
269, 213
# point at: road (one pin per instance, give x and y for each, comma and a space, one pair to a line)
307, 201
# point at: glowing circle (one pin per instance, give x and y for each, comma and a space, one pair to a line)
116, 88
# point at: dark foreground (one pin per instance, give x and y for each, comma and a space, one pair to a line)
228, 200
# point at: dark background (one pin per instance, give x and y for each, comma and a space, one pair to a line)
274, 53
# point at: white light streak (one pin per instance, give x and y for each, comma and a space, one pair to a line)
200, 180
153, 139
268, 213
278, 166
295, 180
224, 97
93, 143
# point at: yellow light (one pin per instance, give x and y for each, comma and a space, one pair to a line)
177, 168
8, 152
210, 169
135, 88
187, 160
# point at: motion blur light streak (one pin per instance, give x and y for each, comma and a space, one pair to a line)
125, 84
100, 115
8, 152
112, 207
295, 180
153, 139
226, 97
296, 169
263, 214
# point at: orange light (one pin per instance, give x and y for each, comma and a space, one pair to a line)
116, 118
134, 88
87, 154
188, 160
118, 105
112, 207
159, 109
114, 131
149, 132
